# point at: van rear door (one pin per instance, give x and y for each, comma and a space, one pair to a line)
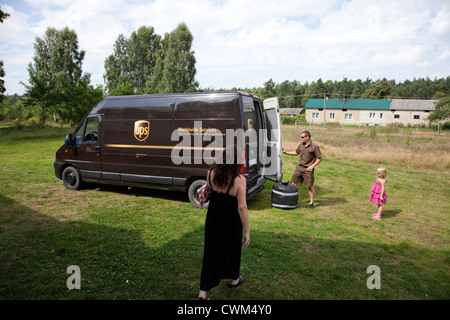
252, 123
273, 157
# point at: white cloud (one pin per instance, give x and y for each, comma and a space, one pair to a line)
15, 30
244, 43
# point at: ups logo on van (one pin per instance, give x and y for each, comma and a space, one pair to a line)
141, 129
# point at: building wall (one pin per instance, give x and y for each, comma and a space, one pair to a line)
408, 117
369, 111
373, 117
367, 117
351, 117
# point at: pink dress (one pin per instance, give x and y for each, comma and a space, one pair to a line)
375, 194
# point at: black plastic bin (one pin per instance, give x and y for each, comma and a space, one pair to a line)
284, 195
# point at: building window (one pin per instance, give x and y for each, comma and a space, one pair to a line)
372, 115
416, 117
332, 116
396, 116
381, 116
315, 115
348, 116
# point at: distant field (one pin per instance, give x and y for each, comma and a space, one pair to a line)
148, 244
422, 149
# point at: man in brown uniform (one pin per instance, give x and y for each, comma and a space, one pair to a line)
310, 157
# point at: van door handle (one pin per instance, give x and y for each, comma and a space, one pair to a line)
97, 149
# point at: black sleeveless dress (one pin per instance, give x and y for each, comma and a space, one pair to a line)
223, 240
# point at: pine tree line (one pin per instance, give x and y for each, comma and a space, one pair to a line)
294, 94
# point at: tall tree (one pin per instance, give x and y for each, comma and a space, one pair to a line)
441, 111
3, 16
40, 94
378, 90
145, 63
178, 63
116, 66
2, 82
269, 89
133, 60
85, 96
144, 47
55, 71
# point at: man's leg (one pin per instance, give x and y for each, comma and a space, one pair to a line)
312, 194
309, 182
296, 177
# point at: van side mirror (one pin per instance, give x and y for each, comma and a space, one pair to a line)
69, 141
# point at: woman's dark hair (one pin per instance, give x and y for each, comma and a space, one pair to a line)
228, 166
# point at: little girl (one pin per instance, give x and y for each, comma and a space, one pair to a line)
378, 194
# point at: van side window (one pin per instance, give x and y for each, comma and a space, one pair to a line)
88, 132
249, 114
91, 133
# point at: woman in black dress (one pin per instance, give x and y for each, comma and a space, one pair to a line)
226, 217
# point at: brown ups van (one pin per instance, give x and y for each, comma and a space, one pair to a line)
169, 141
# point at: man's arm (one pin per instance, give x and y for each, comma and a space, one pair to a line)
311, 167
291, 153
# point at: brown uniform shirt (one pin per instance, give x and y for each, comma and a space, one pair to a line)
308, 154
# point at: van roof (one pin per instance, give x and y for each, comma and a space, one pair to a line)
116, 101
174, 95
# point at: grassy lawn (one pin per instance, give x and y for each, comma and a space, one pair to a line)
148, 244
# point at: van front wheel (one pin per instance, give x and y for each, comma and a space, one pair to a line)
192, 193
71, 178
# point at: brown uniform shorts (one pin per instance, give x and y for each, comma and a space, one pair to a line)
300, 174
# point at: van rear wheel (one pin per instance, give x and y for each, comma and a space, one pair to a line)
192, 193
71, 178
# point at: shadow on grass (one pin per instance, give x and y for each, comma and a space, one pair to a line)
258, 202
121, 263
391, 213
139, 192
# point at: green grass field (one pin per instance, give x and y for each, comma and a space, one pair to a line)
148, 244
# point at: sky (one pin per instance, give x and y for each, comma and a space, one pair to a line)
244, 43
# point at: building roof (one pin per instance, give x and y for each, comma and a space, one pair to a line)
291, 110
360, 104
415, 105
373, 104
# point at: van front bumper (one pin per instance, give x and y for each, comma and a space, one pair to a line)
58, 169
257, 188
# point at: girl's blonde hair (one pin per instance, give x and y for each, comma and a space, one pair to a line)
383, 172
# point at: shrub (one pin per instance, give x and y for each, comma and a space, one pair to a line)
373, 133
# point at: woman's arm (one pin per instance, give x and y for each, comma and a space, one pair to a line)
242, 208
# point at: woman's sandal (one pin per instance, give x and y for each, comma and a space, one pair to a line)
375, 217
241, 281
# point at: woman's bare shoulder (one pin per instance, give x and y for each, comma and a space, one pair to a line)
240, 180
